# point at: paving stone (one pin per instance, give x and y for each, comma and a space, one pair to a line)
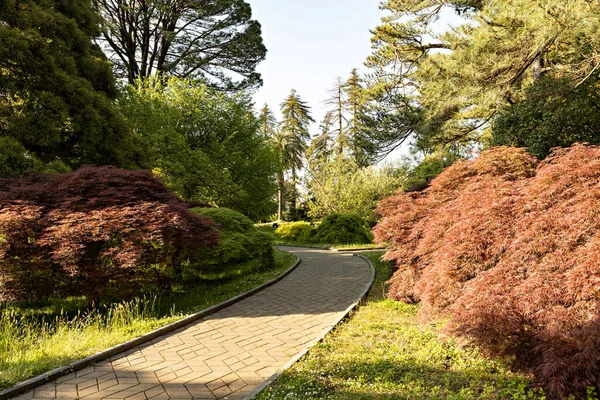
228, 354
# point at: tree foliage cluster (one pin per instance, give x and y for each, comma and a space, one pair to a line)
60, 108
289, 139
519, 72
56, 91
508, 249
216, 41
341, 186
98, 232
204, 144
241, 245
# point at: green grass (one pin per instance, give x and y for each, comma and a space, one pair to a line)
382, 352
35, 338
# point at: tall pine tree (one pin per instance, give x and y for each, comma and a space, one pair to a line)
295, 123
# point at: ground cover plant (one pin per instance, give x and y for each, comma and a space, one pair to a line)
36, 337
508, 250
383, 352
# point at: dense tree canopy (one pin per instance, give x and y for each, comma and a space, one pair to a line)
56, 87
216, 40
448, 87
205, 144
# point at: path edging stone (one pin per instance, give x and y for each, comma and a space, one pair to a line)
321, 336
46, 377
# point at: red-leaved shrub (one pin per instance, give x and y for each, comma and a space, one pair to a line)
96, 231
510, 251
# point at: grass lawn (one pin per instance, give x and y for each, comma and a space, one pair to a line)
35, 338
382, 352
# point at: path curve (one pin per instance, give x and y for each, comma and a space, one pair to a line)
231, 353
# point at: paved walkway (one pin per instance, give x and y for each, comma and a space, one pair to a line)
227, 354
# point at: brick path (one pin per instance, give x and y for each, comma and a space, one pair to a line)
227, 354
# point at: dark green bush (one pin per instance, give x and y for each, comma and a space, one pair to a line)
242, 246
342, 229
299, 231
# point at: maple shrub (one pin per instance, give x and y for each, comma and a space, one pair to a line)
101, 232
509, 251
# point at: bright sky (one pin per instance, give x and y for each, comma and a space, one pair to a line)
310, 43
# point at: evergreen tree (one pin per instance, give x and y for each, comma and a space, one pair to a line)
295, 123
337, 116
289, 150
216, 40
267, 122
56, 87
448, 88
356, 101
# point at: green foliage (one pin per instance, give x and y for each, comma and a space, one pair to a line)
298, 231
448, 87
341, 186
241, 244
56, 87
16, 161
204, 144
552, 115
419, 176
342, 229
215, 41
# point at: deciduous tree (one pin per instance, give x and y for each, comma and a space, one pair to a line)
204, 143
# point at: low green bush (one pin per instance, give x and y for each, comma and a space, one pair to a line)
299, 231
242, 247
342, 229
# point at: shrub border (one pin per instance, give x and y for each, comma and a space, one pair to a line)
323, 333
84, 362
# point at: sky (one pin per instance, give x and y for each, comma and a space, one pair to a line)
310, 43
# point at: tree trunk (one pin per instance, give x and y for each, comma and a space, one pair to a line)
280, 188
293, 197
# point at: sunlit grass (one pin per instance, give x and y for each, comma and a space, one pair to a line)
382, 352
35, 338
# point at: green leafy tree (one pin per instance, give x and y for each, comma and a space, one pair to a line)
295, 123
56, 87
205, 144
216, 40
341, 186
